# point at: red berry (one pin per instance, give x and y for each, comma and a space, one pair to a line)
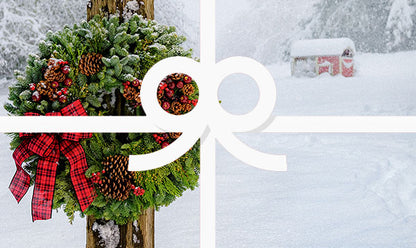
65, 91
68, 82
183, 99
169, 93
59, 93
132, 186
194, 102
162, 85
63, 99
54, 84
136, 82
165, 105
179, 85
36, 96
103, 171
171, 85
32, 86
65, 69
165, 144
187, 79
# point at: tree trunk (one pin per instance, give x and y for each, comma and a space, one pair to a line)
109, 7
137, 234
140, 233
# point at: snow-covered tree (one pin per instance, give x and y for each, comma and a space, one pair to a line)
23, 23
399, 24
362, 21
374, 25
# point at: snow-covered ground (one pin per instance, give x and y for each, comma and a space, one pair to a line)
340, 190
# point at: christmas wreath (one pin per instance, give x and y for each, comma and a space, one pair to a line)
95, 68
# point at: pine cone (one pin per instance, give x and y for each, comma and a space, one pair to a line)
137, 98
117, 180
174, 135
177, 76
187, 107
54, 73
188, 89
130, 93
90, 63
176, 107
43, 88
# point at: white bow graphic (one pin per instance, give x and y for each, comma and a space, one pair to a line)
208, 117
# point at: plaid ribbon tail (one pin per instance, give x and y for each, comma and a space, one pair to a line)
48, 147
44, 185
84, 189
21, 179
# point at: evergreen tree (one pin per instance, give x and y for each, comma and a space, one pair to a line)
399, 25
362, 21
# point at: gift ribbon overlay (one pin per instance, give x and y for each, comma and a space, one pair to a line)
208, 120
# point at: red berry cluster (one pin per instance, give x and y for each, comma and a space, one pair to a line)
64, 66
136, 83
96, 177
162, 139
137, 190
177, 94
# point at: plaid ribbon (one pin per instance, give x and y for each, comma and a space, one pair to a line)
49, 146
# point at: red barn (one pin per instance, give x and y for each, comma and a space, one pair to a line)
313, 57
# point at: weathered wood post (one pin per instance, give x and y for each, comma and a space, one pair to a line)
108, 7
137, 234
140, 233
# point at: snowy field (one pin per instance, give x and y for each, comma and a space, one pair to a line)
340, 190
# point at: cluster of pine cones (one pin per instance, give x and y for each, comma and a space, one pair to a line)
55, 85
177, 94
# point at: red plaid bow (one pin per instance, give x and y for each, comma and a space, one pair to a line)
48, 147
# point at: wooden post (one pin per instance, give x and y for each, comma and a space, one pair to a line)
108, 7
147, 227
137, 234
140, 233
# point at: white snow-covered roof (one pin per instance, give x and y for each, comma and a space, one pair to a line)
306, 48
